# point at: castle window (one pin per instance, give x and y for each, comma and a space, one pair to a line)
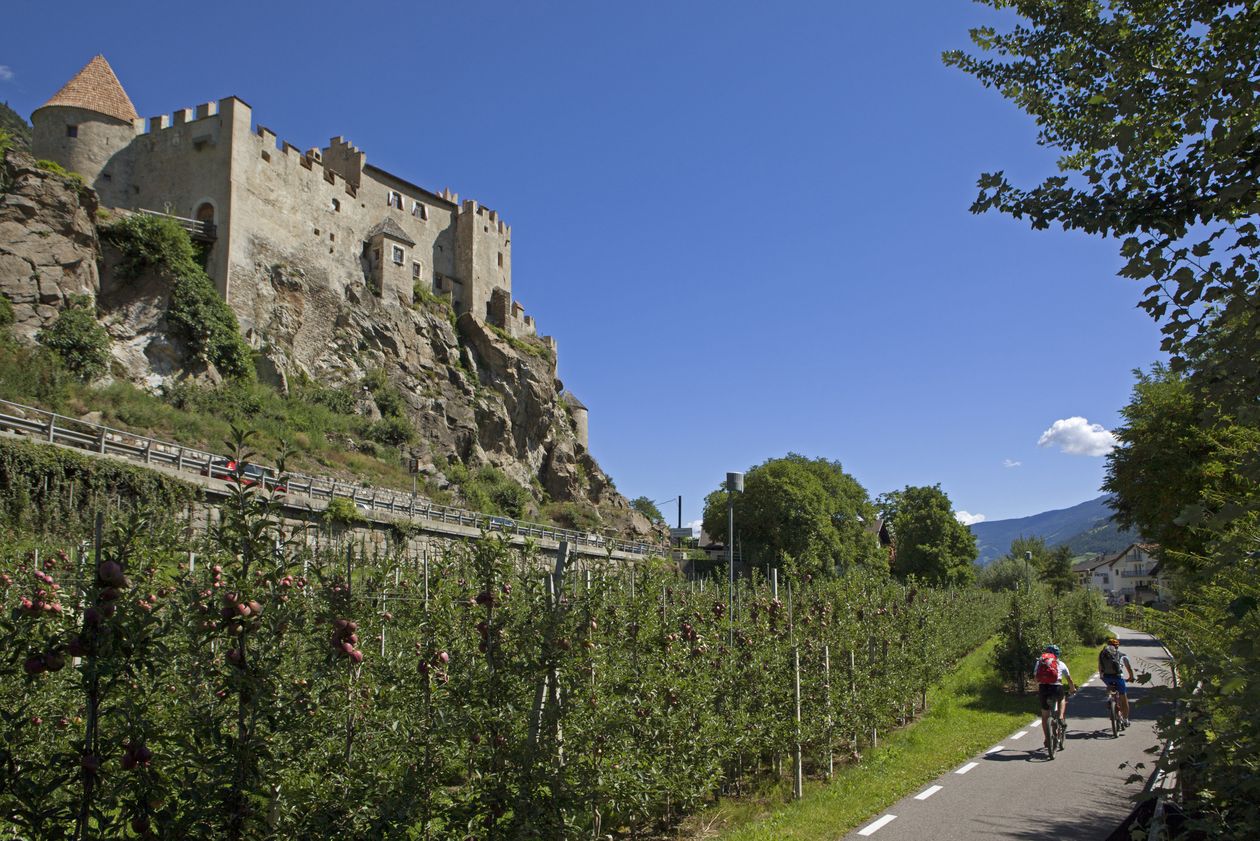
399, 256
266, 156
500, 259
395, 199
72, 131
419, 211
415, 270
336, 205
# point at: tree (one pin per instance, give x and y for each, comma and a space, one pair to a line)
1003, 575
806, 514
1154, 106
1056, 570
78, 340
930, 542
1178, 466
648, 509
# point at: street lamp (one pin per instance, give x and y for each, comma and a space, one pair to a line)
734, 482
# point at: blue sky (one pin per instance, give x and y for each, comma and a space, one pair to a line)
746, 225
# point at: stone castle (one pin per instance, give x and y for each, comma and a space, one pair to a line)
239, 190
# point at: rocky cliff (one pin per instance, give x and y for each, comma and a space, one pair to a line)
474, 395
48, 243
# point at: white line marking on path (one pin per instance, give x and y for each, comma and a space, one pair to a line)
875, 827
1021, 734
966, 768
1035, 722
995, 749
926, 793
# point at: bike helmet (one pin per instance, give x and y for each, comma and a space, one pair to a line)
1053, 649
1113, 641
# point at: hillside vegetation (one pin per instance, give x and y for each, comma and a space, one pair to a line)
17, 129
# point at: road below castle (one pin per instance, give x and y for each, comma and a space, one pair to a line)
1013, 791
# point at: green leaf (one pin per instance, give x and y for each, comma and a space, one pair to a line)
1234, 685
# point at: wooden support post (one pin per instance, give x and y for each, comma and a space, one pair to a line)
798, 773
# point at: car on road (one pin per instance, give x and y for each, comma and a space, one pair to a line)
502, 524
246, 474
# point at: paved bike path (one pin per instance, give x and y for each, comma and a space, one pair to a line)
1013, 791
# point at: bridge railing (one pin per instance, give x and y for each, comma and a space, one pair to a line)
53, 428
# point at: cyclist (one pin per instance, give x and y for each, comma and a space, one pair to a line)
1050, 671
1111, 661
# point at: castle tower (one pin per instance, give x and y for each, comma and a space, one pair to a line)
483, 257
86, 125
580, 418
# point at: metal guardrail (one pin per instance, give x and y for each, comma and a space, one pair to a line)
53, 428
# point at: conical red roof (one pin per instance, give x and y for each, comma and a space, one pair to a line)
96, 88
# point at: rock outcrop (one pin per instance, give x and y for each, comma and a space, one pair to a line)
475, 395
48, 243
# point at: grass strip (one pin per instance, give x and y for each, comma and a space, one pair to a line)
968, 712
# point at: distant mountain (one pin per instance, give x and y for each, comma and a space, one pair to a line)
13, 123
1086, 528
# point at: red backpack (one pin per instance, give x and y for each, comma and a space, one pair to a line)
1047, 669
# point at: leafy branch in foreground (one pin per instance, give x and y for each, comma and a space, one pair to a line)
1154, 107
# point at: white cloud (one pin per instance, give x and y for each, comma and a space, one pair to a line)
968, 519
6, 72
694, 525
1010, 462
1078, 437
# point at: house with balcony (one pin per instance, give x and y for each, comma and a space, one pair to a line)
1127, 577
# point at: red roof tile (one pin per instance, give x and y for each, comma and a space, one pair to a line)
96, 88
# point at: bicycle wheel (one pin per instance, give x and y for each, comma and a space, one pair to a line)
1114, 712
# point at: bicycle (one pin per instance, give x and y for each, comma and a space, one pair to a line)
1113, 711
1057, 730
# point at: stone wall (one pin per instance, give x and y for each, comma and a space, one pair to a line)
183, 162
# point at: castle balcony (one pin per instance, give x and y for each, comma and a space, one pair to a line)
199, 230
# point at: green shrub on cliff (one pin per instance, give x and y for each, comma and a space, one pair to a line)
78, 340
490, 491
392, 431
199, 316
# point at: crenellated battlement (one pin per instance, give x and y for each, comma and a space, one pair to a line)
229, 108
470, 206
293, 158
